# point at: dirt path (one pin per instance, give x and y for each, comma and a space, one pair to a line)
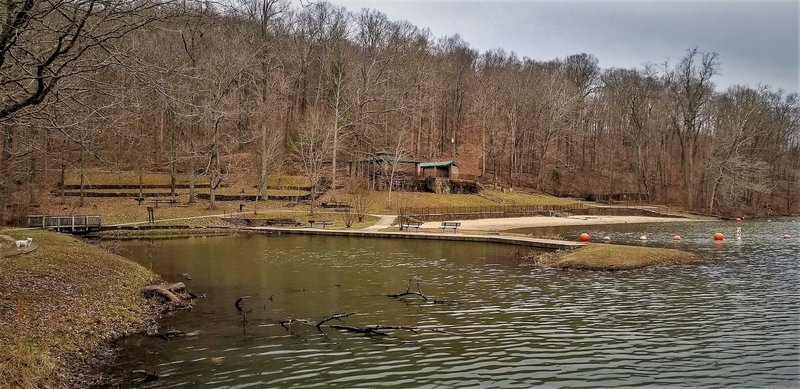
13, 251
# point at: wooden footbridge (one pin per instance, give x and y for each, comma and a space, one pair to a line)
74, 224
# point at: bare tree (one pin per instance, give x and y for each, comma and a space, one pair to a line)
312, 147
43, 42
691, 90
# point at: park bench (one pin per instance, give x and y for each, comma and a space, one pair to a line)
409, 225
324, 223
337, 205
280, 222
171, 202
453, 225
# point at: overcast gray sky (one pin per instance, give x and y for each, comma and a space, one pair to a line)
757, 40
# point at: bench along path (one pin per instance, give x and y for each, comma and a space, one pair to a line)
515, 240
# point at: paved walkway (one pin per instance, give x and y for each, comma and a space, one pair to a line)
385, 222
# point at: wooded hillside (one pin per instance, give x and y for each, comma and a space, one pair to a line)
255, 88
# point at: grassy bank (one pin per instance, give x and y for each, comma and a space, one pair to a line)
58, 304
612, 257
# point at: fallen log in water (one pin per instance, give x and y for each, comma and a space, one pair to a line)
373, 329
156, 290
173, 294
418, 292
148, 376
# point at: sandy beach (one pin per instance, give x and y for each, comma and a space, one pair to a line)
547, 221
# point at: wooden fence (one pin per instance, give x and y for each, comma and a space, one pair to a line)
487, 212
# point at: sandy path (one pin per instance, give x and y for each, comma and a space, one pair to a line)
547, 221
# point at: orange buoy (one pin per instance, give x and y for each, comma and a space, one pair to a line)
584, 237
719, 236
676, 237
738, 219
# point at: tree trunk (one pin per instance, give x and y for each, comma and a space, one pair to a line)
141, 182
82, 178
5, 179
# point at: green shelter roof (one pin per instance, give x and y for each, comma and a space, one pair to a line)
438, 164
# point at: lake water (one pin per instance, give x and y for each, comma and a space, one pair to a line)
733, 320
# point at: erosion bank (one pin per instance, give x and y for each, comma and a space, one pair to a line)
611, 257
59, 304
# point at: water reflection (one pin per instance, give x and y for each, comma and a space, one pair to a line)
732, 321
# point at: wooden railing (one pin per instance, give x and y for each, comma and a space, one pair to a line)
70, 223
487, 212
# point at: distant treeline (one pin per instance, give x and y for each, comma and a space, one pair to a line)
249, 89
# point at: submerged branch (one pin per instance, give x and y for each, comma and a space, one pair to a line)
418, 292
373, 329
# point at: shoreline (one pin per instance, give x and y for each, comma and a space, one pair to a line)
61, 306
499, 230
502, 224
72, 346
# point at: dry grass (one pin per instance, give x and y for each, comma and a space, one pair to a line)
126, 210
104, 177
613, 257
386, 203
58, 303
523, 198
304, 215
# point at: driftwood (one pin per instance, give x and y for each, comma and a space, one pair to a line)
147, 376
335, 316
418, 292
174, 294
168, 292
374, 329
369, 330
167, 335
239, 302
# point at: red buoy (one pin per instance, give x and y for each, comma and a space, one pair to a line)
584, 237
719, 236
738, 219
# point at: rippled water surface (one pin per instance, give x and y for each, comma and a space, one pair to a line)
731, 321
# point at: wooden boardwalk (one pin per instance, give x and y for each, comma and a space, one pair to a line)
501, 239
65, 223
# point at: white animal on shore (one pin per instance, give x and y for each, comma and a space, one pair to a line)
24, 243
